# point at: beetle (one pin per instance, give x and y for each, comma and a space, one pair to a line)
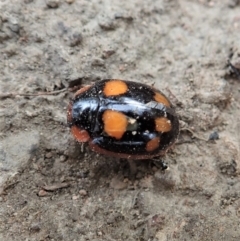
124, 119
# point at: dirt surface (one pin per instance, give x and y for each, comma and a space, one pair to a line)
51, 187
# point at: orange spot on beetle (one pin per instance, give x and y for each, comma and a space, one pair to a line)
115, 87
162, 99
115, 123
163, 124
80, 135
153, 144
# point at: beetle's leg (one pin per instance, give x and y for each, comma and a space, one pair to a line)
133, 167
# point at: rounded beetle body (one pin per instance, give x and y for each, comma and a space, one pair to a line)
124, 119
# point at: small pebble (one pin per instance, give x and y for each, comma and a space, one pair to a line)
48, 155
83, 192
14, 25
107, 23
52, 3
63, 158
98, 62
75, 197
107, 53
42, 193
213, 136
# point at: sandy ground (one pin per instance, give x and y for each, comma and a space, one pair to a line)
51, 187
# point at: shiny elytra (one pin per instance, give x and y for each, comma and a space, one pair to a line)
123, 118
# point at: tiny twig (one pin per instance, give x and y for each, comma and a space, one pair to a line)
13, 95
55, 187
193, 134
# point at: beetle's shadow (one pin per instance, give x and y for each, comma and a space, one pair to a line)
131, 169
